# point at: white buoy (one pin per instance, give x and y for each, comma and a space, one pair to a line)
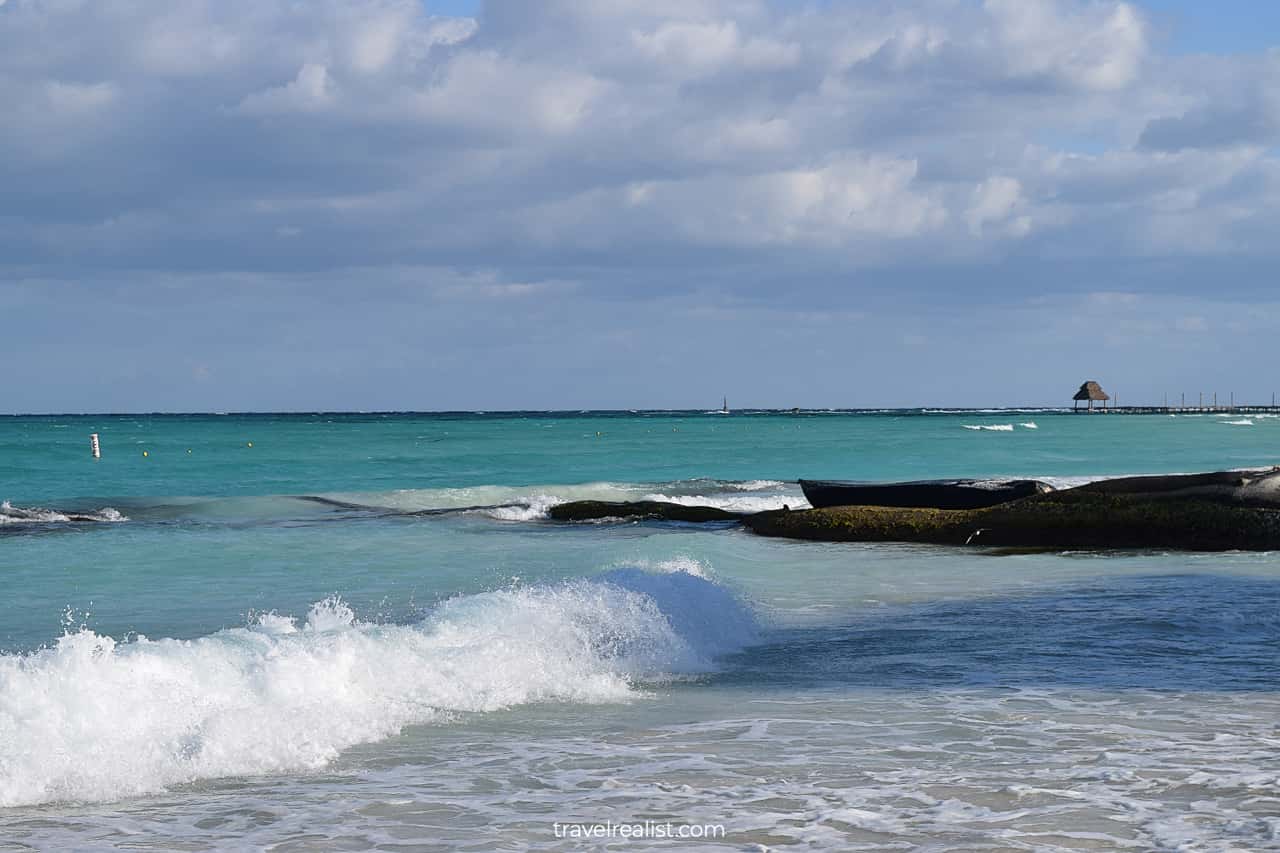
94, 446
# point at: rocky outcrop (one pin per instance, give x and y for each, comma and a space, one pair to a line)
659, 510
1256, 487
1071, 518
1197, 512
928, 494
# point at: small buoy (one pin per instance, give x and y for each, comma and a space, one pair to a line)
249, 444
146, 453
188, 449
94, 446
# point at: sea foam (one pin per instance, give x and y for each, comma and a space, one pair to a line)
10, 514
91, 718
530, 503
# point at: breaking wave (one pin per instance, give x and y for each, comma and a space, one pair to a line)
503, 503
528, 503
94, 718
14, 515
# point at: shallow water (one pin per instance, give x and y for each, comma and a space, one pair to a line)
417, 660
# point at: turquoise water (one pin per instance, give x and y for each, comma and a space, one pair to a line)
343, 631
47, 458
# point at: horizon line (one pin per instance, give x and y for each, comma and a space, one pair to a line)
923, 409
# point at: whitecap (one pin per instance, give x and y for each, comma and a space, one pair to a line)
91, 718
10, 514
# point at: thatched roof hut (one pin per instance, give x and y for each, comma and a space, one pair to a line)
1090, 391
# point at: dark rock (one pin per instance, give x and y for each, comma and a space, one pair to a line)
931, 494
1071, 518
866, 524
595, 510
1258, 487
1219, 511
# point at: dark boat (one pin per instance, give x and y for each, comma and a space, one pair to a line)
932, 494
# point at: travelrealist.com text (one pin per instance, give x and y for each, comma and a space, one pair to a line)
642, 829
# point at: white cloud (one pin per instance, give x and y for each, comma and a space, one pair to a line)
995, 202
1091, 45
310, 90
849, 205
78, 99
620, 136
708, 46
376, 40
483, 90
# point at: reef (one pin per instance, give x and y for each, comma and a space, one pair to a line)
1065, 519
1203, 512
929, 494
653, 510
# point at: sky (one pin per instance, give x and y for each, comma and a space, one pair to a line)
266, 205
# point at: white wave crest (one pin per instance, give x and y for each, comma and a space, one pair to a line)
1241, 422
416, 500
1029, 425
531, 509
92, 718
538, 506
734, 503
686, 564
990, 427
755, 485
503, 503
529, 503
10, 514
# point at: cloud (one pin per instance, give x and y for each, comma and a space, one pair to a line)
311, 90
74, 100
1228, 104
377, 133
696, 48
1091, 46
811, 158
995, 202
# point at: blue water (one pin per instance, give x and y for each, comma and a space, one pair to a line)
338, 631
45, 458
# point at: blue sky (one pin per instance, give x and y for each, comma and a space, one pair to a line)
1194, 26
386, 204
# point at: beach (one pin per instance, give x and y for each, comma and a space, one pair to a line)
348, 631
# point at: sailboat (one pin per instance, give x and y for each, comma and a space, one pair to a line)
724, 407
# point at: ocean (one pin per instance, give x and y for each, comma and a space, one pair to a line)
359, 631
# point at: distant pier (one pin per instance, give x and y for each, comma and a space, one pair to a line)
1095, 402
1180, 410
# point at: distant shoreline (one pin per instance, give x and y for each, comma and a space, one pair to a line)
710, 413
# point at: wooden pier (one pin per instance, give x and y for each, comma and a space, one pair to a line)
1095, 403
1180, 410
